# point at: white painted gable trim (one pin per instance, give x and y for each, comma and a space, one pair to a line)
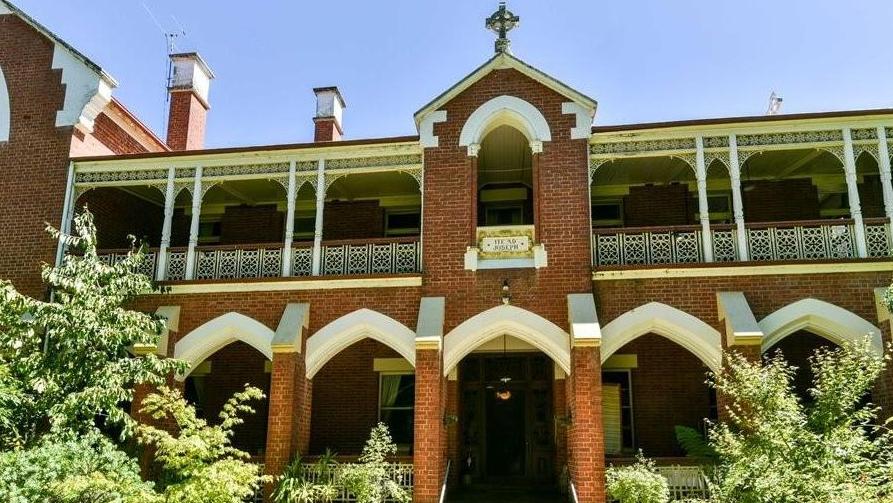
511, 321
505, 61
354, 327
698, 337
822, 318
427, 139
505, 110
217, 333
5, 113
87, 92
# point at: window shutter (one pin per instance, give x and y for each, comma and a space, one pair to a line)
612, 421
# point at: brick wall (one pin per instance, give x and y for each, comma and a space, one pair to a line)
119, 214
669, 390
251, 224
347, 382
34, 162
352, 220
650, 205
232, 367
780, 200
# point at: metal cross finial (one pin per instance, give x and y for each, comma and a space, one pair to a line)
501, 22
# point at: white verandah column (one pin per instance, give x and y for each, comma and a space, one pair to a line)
884, 165
317, 228
289, 222
737, 201
67, 213
193, 226
852, 184
161, 271
703, 209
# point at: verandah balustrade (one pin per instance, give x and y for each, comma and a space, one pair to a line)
265, 260
766, 242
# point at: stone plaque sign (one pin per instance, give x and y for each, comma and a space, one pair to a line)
506, 244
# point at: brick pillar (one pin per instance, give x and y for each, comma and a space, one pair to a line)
753, 353
452, 428
585, 434
428, 457
559, 405
288, 415
882, 394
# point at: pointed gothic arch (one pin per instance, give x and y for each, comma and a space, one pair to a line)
506, 320
354, 327
505, 111
211, 336
690, 332
824, 319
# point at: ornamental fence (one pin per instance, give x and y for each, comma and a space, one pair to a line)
401, 473
337, 258
766, 242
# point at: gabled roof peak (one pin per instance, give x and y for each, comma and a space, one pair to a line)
502, 61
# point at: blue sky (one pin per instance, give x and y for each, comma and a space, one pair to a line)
643, 60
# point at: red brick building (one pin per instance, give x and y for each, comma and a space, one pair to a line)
518, 294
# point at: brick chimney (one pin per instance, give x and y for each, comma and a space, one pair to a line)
188, 89
329, 107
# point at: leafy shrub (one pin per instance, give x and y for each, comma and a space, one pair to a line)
637, 483
75, 469
776, 449
295, 486
369, 479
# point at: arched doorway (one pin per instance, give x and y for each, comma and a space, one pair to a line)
506, 368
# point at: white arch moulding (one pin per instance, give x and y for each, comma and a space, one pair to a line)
506, 320
824, 319
5, 112
505, 111
350, 328
690, 332
217, 333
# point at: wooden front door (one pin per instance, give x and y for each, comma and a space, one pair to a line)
507, 438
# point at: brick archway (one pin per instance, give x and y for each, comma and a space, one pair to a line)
680, 327
350, 328
219, 332
505, 110
506, 320
827, 320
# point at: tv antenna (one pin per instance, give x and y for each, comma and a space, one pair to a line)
170, 42
775, 102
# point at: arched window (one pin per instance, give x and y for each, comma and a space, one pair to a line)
505, 178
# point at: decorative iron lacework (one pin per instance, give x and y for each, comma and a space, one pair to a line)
889, 132
710, 157
872, 149
306, 165
374, 162
185, 173
246, 169
864, 134
790, 138
716, 142
117, 176
643, 146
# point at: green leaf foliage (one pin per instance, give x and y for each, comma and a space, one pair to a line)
774, 448
65, 363
369, 480
637, 483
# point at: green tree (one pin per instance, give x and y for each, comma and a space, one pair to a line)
65, 363
199, 463
776, 449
